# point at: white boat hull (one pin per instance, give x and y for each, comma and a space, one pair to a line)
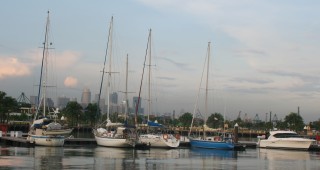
46, 140
159, 141
113, 142
290, 143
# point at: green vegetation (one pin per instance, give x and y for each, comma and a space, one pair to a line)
89, 116
7, 105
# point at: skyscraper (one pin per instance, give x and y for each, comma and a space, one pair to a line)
86, 97
114, 98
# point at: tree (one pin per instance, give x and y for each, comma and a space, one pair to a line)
7, 104
73, 111
294, 121
91, 113
215, 120
185, 119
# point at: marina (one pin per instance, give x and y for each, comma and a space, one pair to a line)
21, 141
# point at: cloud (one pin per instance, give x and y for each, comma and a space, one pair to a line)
67, 59
177, 64
70, 81
12, 67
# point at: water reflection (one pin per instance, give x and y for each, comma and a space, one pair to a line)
119, 158
50, 157
214, 153
279, 159
278, 154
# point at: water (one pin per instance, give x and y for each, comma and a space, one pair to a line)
117, 158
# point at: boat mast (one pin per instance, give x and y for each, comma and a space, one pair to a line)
103, 70
206, 95
109, 72
126, 92
42, 85
149, 78
144, 65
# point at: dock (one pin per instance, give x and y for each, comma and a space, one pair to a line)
23, 142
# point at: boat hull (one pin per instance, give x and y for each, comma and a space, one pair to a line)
296, 144
114, 142
208, 144
46, 140
58, 132
159, 141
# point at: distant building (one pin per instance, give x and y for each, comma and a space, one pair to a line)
62, 102
174, 115
33, 100
86, 97
73, 99
96, 98
134, 104
114, 98
49, 103
102, 103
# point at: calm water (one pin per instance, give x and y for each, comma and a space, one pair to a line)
111, 158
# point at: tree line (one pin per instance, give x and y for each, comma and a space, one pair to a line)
90, 116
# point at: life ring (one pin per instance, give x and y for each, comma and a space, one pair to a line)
165, 136
178, 136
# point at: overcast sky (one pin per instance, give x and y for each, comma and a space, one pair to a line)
265, 53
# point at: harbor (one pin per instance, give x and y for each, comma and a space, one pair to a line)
19, 139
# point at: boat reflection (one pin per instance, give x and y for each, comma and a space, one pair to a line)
275, 158
116, 153
158, 153
50, 157
214, 153
278, 154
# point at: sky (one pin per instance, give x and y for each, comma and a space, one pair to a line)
265, 54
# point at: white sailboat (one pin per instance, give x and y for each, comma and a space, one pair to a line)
153, 137
45, 130
112, 134
208, 142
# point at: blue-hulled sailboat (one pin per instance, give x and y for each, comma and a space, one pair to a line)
204, 141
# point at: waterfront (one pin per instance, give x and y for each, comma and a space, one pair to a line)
183, 158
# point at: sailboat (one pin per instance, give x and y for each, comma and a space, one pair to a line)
112, 134
45, 130
153, 137
208, 142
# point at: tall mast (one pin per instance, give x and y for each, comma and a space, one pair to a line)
109, 72
149, 77
206, 95
41, 91
126, 92
108, 52
144, 65
207, 84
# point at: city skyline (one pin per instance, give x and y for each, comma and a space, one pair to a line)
265, 53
